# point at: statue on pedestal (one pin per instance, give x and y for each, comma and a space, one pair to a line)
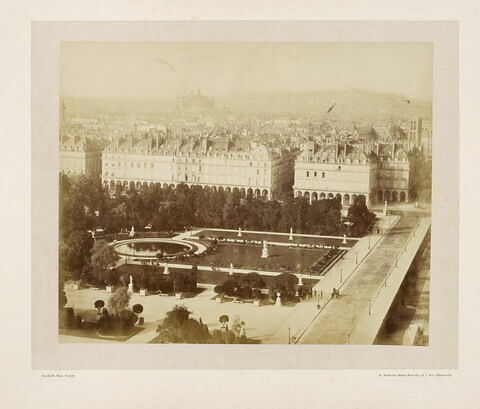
132, 232
278, 301
385, 208
291, 234
130, 285
231, 269
344, 241
239, 232
165, 270
265, 249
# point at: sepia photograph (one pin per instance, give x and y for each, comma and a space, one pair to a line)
245, 192
212, 204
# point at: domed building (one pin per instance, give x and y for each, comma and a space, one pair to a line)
197, 103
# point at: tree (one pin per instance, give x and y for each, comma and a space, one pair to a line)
99, 304
62, 297
183, 282
252, 280
361, 217
223, 319
178, 327
103, 258
77, 250
118, 301
286, 284
137, 308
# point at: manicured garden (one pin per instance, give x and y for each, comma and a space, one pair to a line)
279, 238
281, 258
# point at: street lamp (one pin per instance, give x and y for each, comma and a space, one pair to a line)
289, 335
341, 275
356, 257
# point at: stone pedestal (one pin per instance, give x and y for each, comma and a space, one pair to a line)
256, 303
218, 300
130, 288
143, 292
178, 296
291, 234
385, 208
109, 288
230, 271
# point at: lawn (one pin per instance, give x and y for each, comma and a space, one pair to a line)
280, 238
246, 256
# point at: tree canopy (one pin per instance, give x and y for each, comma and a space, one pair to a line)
118, 301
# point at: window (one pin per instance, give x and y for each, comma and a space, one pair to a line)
314, 174
308, 174
339, 168
323, 174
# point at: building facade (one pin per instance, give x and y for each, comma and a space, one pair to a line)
379, 172
80, 155
220, 163
339, 171
393, 173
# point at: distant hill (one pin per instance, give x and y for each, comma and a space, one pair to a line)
350, 104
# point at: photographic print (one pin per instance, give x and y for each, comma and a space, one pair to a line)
245, 192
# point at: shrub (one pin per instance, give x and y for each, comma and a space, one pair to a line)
99, 304
120, 324
218, 289
244, 292
257, 294
137, 308
229, 286
67, 318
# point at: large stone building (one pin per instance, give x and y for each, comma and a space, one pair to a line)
228, 163
80, 155
419, 132
393, 173
338, 170
378, 172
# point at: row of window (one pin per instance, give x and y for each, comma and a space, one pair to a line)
315, 174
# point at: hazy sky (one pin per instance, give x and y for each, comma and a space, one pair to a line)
155, 70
